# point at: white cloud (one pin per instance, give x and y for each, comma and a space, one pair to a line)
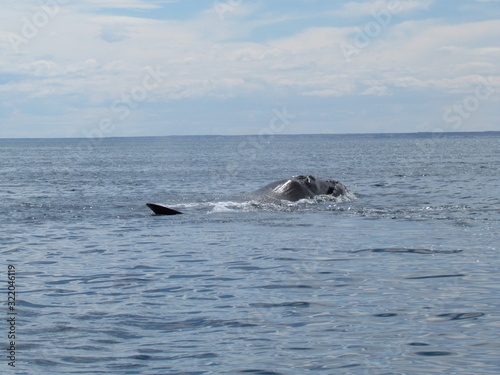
309, 62
316, 38
126, 4
366, 8
41, 68
100, 57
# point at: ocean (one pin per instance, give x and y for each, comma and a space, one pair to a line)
401, 276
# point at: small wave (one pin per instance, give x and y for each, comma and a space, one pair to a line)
461, 316
259, 372
280, 206
250, 206
434, 353
282, 304
347, 197
407, 250
435, 276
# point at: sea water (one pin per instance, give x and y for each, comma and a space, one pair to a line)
399, 277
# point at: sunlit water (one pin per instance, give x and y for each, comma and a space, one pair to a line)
400, 277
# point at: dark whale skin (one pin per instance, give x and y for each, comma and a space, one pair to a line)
296, 188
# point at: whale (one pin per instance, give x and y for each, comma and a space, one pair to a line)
289, 190
296, 188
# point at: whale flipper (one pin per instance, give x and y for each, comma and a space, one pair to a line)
159, 209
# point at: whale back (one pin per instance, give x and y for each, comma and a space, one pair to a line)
290, 190
298, 187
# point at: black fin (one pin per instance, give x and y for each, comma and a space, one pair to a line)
159, 209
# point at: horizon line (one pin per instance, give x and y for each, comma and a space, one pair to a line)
485, 132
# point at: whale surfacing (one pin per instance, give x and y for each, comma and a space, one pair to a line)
292, 190
298, 187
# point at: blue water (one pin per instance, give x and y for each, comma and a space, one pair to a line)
400, 277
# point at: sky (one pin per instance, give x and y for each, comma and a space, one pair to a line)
94, 68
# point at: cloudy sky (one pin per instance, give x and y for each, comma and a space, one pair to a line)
77, 68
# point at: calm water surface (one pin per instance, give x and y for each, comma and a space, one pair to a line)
401, 277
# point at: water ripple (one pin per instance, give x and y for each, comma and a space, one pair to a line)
408, 251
